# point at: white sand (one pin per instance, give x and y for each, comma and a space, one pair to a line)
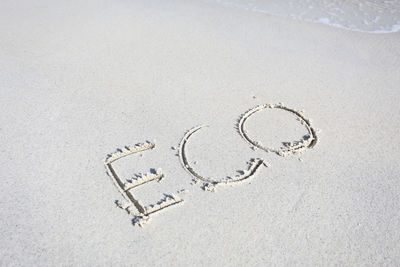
79, 79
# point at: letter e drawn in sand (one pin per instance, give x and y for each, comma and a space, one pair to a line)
141, 213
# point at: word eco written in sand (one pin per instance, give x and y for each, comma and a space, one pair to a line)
141, 213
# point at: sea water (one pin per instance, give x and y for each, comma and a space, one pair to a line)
378, 16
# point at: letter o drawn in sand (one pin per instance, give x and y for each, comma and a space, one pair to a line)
308, 141
211, 183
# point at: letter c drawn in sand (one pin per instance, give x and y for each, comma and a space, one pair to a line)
209, 183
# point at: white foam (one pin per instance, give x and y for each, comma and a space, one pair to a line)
366, 16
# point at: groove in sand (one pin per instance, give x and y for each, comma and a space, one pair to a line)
124, 188
290, 148
210, 183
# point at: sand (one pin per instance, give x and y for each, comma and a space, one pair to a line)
80, 79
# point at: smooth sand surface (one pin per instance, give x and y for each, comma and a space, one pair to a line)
79, 79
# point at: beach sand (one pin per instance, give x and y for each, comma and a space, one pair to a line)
79, 79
